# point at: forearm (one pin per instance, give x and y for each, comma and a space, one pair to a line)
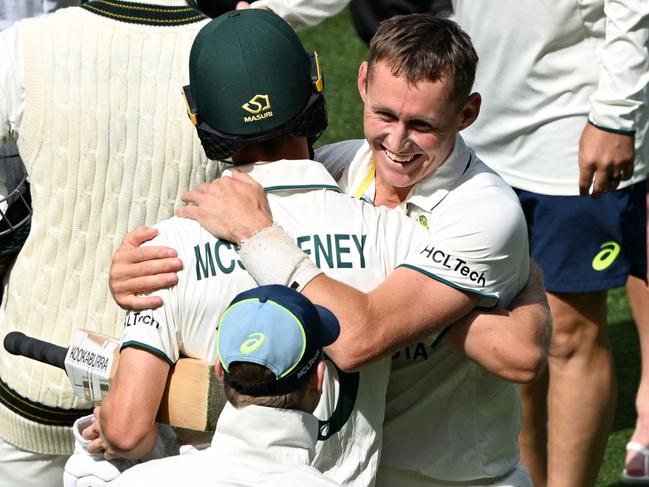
510, 344
121, 442
392, 316
127, 416
511, 347
373, 324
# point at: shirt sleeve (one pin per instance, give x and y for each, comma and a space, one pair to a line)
479, 246
303, 13
157, 330
12, 91
624, 76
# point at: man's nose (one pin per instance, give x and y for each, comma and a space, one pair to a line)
398, 139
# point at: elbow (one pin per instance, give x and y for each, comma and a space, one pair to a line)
346, 362
347, 358
530, 368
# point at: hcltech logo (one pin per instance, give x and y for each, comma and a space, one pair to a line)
605, 257
253, 342
259, 107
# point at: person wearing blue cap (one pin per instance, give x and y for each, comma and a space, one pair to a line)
269, 344
259, 99
272, 117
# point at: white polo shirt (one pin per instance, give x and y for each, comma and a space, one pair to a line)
350, 240
447, 418
252, 446
547, 68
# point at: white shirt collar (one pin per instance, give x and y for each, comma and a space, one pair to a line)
289, 175
428, 192
267, 434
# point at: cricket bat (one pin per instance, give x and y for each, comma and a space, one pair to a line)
193, 398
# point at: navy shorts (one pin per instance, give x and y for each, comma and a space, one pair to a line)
585, 244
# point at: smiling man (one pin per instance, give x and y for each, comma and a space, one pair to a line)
451, 418
452, 410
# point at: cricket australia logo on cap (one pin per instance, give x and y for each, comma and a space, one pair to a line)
259, 108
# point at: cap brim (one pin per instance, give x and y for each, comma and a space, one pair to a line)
330, 327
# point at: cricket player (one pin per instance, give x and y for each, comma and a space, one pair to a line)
245, 116
451, 418
269, 351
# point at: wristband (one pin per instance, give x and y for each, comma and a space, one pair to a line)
271, 257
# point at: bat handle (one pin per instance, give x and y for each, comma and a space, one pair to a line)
18, 343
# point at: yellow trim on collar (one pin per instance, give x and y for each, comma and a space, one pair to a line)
369, 177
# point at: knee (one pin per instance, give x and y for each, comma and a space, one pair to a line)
578, 324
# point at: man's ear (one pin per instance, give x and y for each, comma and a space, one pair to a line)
218, 370
316, 379
361, 82
470, 111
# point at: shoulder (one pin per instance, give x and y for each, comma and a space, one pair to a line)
179, 233
482, 197
337, 157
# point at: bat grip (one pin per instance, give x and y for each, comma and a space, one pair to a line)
18, 343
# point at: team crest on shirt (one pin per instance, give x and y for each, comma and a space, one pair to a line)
424, 221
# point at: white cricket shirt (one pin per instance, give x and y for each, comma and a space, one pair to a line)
350, 240
446, 417
252, 446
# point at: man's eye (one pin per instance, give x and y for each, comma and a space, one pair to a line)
385, 116
422, 127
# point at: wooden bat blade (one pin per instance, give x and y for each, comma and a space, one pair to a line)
193, 398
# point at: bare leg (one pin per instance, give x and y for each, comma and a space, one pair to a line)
639, 298
533, 439
581, 399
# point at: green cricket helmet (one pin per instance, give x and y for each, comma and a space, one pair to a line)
251, 80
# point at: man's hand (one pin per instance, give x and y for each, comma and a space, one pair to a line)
230, 208
247, 5
96, 444
136, 270
605, 159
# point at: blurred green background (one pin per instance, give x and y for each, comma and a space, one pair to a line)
341, 52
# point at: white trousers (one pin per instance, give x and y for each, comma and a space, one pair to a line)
27, 469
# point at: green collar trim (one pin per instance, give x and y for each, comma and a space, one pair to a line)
270, 189
142, 13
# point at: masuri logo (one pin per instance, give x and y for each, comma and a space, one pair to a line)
259, 107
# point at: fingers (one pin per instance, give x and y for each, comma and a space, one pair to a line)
151, 264
586, 175
92, 432
605, 159
139, 236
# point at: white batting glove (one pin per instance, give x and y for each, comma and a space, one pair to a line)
84, 469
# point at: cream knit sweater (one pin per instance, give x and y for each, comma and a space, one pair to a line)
108, 146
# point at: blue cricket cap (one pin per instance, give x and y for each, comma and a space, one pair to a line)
278, 328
